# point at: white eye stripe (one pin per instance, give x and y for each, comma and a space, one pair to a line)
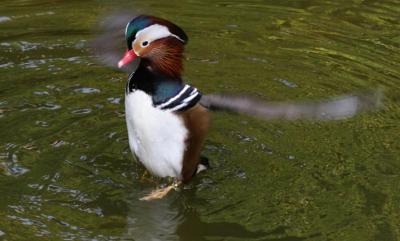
154, 32
126, 28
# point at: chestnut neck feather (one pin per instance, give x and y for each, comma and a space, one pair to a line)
165, 57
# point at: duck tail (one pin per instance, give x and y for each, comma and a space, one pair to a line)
338, 108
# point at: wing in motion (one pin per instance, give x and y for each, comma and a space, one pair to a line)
331, 109
110, 44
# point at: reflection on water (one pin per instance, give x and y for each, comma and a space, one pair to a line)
66, 171
156, 220
174, 219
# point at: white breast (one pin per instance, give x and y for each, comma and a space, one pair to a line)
156, 137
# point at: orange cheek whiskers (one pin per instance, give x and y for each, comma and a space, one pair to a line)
165, 58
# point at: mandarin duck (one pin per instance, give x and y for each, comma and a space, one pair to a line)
167, 119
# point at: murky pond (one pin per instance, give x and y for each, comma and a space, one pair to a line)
66, 172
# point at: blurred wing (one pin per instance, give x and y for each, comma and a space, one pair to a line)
332, 109
110, 44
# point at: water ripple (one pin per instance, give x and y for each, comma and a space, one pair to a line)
82, 111
115, 100
11, 166
63, 223
87, 90
287, 83
27, 46
280, 49
27, 221
7, 65
60, 189
41, 123
59, 143
4, 19
41, 93
49, 106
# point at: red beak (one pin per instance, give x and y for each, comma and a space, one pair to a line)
128, 57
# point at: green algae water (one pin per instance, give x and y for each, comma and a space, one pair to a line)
66, 172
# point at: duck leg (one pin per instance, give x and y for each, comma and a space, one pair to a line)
161, 192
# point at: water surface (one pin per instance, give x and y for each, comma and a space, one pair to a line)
66, 172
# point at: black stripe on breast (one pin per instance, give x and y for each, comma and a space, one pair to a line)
186, 100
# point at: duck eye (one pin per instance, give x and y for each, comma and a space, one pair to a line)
145, 43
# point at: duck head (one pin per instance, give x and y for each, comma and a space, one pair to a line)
157, 42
